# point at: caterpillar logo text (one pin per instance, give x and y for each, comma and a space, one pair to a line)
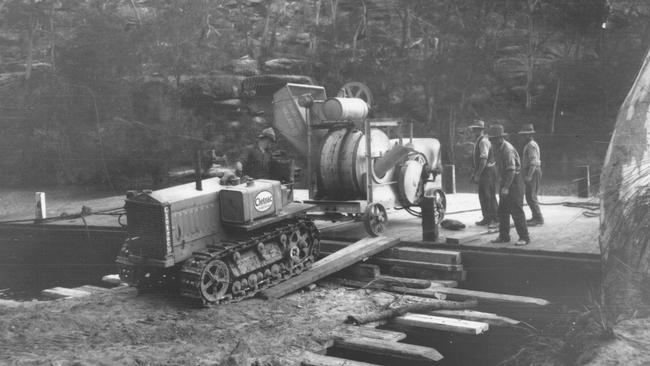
263, 201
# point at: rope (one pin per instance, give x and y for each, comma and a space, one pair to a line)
85, 211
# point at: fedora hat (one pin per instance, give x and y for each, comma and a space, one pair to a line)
527, 128
496, 131
267, 133
477, 124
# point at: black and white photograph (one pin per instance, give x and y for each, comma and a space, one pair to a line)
325, 182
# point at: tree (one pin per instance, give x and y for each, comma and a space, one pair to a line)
625, 198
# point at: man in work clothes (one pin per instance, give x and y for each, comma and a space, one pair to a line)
511, 198
531, 167
255, 159
485, 174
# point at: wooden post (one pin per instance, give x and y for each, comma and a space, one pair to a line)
41, 207
583, 180
449, 178
429, 224
198, 171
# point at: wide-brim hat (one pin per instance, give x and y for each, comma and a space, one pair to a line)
496, 131
267, 133
477, 124
526, 129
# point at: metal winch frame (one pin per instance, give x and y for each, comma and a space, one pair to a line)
372, 209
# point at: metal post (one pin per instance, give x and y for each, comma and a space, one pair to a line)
366, 127
41, 207
429, 224
309, 157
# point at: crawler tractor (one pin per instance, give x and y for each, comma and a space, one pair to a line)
218, 244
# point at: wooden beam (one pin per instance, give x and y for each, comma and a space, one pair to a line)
408, 263
314, 359
377, 285
331, 264
368, 332
405, 271
62, 292
417, 264
410, 252
441, 323
388, 348
462, 294
491, 319
424, 255
437, 291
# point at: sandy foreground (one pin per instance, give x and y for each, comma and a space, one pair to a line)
122, 327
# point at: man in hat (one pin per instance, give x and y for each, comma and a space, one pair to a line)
485, 174
255, 160
531, 168
511, 197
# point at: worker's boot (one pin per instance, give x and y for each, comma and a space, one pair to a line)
522, 242
535, 221
482, 222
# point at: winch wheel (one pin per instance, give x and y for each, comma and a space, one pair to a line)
375, 219
215, 280
355, 89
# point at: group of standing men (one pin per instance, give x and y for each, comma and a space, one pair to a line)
495, 159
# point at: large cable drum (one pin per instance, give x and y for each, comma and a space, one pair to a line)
343, 163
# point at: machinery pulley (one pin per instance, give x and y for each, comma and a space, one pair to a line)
375, 219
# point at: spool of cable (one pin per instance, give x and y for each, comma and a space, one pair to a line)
339, 109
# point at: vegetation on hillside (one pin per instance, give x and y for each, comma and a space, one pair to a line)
99, 91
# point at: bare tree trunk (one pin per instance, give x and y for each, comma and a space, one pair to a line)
625, 198
30, 49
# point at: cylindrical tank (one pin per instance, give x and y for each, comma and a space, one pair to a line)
343, 162
345, 109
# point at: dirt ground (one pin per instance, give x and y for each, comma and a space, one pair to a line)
122, 327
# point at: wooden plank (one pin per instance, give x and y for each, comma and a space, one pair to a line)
417, 264
113, 279
330, 264
403, 281
446, 283
461, 294
410, 252
314, 359
424, 255
355, 331
407, 263
491, 319
390, 286
403, 271
441, 323
388, 348
436, 291
62, 292
90, 289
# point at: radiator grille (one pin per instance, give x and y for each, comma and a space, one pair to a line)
147, 223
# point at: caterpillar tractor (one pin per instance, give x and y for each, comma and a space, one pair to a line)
218, 244
221, 243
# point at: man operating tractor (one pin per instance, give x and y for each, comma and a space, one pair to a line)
255, 160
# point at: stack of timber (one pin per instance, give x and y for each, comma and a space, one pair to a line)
412, 262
